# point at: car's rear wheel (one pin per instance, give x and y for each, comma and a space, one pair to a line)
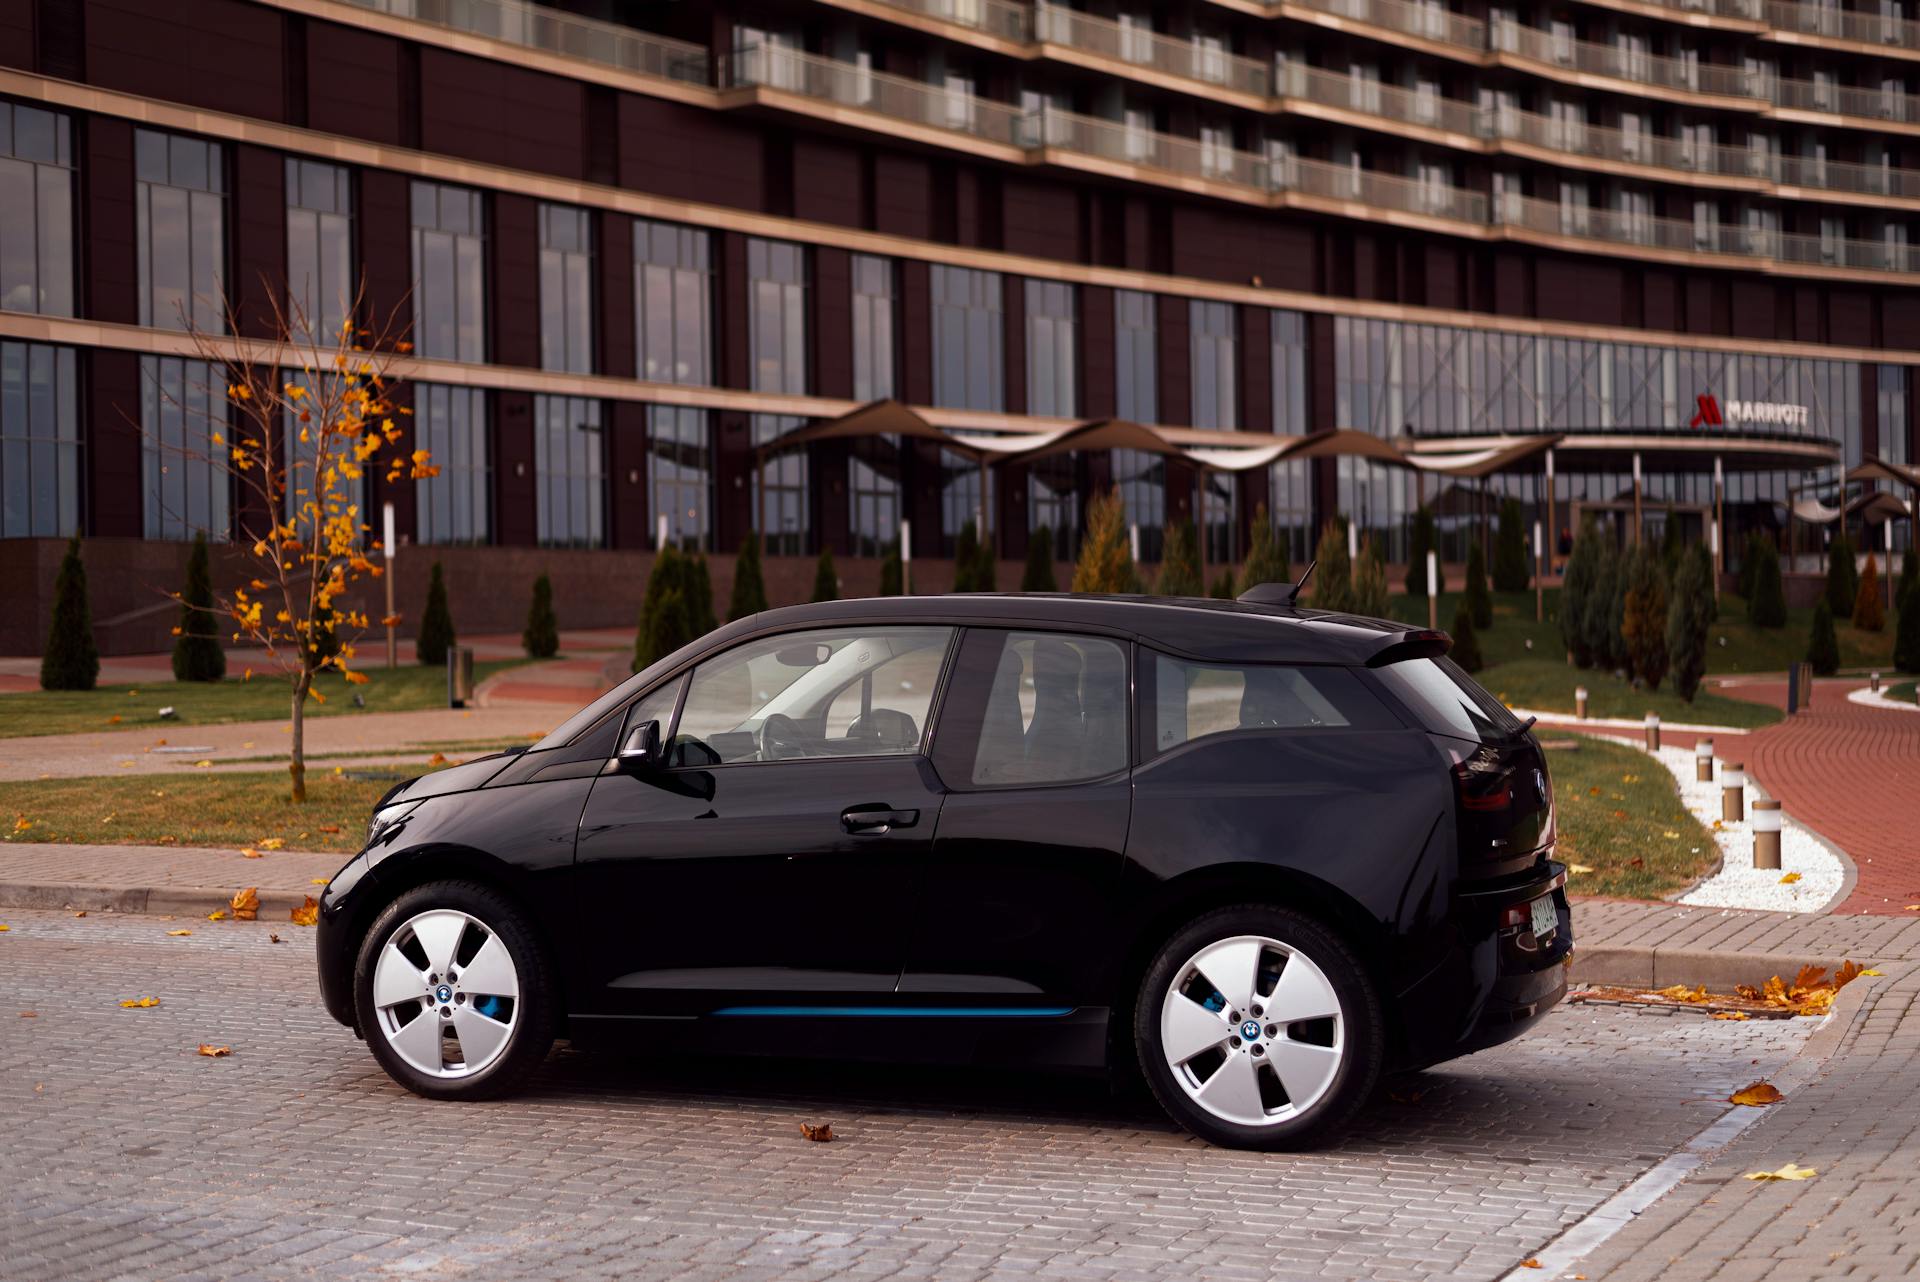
1258, 1027
454, 993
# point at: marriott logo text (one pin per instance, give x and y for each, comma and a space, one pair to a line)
1770, 413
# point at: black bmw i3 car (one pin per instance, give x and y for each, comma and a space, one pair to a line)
1257, 854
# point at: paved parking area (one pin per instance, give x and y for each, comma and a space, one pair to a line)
129, 1156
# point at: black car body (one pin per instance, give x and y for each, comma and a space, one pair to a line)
848, 877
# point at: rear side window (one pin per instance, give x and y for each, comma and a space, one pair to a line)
1033, 708
1448, 701
1193, 700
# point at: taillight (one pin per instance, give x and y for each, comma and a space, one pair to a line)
1483, 782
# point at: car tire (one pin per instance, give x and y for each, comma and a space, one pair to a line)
464, 957
1269, 1080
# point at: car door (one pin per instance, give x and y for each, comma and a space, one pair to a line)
764, 864
1033, 745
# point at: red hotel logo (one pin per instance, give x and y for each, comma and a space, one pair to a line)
1708, 415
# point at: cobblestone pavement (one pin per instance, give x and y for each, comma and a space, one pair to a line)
129, 1156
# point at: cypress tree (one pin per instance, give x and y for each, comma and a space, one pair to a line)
1332, 585
665, 577
196, 647
1672, 545
1511, 572
542, 637
1479, 599
1843, 581
1906, 637
1749, 563
1689, 615
667, 627
1180, 563
1106, 555
986, 568
966, 559
749, 586
1869, 611
1038, 576
1423, 543
1767, 607
1823, 648
1644, 619
1266, 558
1369, 582
1223, 585
1600, 625
826, 584
1576, 588
1466, 645
698, 586
71, 660
892, 571
435, 636
1909, 576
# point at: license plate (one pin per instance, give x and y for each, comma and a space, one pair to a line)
1546, 918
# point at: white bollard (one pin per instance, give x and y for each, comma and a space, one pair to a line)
1703, 761
1580, 702
1766, 834
1873, 682
1653, 733
1733, 792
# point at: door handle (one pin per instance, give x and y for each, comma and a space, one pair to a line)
875, 821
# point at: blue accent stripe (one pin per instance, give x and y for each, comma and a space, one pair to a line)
901, 1012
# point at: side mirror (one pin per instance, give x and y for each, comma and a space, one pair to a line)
642, 746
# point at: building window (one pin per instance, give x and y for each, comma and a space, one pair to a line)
783, 513
1136, 357
566, 289
36, 211
186, 490
777, 319
1053, 316
320, 276
569, 468
181, 229
1289, 373
39, 442
1053, 503
1215, 364
875, 473
1891, 401
453, 507
1141, 478
673, 296
449, 273
961, 497
969, 347
875, 319
680, 473
300, 448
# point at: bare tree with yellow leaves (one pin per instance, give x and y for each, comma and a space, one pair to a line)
307, 418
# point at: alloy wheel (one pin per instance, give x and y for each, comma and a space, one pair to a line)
446, 993
1252, 1030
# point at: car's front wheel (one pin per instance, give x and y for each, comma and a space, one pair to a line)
454, 993
1259, 1028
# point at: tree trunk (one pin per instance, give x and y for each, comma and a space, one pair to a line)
297, 766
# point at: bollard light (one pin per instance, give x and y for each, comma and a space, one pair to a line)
1653, 732
1733, 792
1703, 761
1874, 682
1766, 834
1580, 702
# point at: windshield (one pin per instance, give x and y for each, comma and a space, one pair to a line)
1450, 702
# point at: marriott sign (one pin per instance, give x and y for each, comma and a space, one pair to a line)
1756, 413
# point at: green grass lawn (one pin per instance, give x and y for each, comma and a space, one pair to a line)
236, 810
264, 698
1620, 816
1905, 691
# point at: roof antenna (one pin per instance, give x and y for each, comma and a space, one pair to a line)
1278, 593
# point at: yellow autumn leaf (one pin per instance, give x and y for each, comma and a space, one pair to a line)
1787, 1172
177, 933
1730, 1014
1681, 993
6, 928
138, 1003
218, 914
1789, 879
306, 914
246, 903
1757, 1095
1871, 971
321, 881
203, 764
248, 852
272, 843
1574, 870
215, 1052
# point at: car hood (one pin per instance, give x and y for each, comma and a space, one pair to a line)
461, 778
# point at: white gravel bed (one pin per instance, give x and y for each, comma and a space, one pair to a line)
1880, 699
1620, 723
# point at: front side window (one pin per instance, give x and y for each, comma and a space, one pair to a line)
186, 490
969, 347
320, 279
569, 467
777, 329
39, 442
181, 230
1028, 708
826, 693
566, 289
449, 273
680, 472
673, 302
36, 211
1192, 701
454, 507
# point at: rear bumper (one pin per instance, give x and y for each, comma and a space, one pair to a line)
1499, 978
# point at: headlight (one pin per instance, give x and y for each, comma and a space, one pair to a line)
386, 818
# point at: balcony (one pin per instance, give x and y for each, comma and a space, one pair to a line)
1839, 24
1151, 51
1679, 75
549, 30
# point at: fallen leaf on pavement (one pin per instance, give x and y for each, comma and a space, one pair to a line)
1787, 1172
271, 843
81, 913
1870, 971
321, 881
246, 903
248, 852
1789, 879
1730, 1014
29, 1014
1529, 1264
218, 914
1681, 993
273, 939
306, 914
138, 1003
437, 759
1407, 1097
215, 1052
6, 928
203, 764
1756, 1095
177, 933
819, 1133
329, 827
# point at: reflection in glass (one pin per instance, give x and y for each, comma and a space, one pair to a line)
449, 302
673, 302
451, 424
184, 490
569, 468
680, 473
39, 442
36, 211
180, 231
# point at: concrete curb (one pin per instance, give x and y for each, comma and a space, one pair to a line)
1656, 967
179, 901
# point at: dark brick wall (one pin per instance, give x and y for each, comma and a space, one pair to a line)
221, 54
